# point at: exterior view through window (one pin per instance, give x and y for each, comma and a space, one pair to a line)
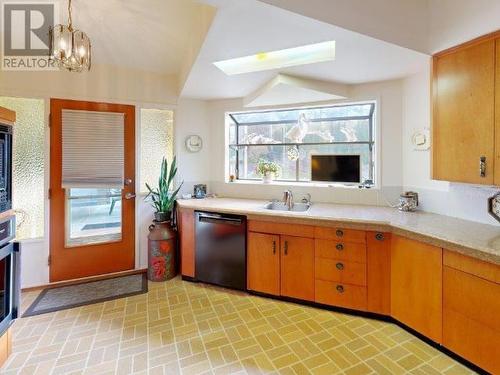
290, 137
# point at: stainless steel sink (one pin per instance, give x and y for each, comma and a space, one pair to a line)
280, 206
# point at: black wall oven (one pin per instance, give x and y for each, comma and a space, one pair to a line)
9, 273
5, 167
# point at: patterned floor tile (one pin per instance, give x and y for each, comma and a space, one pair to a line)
186, 328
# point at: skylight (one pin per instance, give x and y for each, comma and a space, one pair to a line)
308, 54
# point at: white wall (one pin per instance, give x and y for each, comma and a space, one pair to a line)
460, 200
192, 119
399, 22
456, 21
106, 84
389, 96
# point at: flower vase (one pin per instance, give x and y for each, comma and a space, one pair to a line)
267, 178
162, 245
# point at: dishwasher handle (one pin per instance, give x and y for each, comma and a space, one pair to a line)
218, 219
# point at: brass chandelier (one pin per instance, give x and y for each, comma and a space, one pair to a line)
70, 49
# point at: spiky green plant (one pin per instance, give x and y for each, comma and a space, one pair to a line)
161, 197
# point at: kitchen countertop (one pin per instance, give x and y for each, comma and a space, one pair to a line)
481, 241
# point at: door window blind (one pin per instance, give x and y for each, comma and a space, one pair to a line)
93, 149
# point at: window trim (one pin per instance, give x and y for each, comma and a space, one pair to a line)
372, 123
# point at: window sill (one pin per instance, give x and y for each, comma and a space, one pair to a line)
299, 184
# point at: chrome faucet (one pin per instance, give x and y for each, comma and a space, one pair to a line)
288, 199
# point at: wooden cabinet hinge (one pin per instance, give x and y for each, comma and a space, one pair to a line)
48, 260
49, 195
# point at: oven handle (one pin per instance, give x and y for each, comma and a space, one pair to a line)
16, 280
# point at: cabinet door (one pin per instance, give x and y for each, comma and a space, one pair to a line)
497, 116
187, 240
379, 272
297, 267
471, 327
263, 263
417, 286
463, 113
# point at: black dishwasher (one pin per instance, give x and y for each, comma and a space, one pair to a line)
220, 250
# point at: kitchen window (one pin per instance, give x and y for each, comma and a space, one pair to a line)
289, 137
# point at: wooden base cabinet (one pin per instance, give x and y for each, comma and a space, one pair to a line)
187, 241
280, 264
263, 263
416, 286
471, 308
297, 267
378, 255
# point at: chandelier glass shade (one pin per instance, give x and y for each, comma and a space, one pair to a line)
70, 49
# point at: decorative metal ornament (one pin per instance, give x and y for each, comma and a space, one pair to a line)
70, 49
293, 153
194, 143
494, 206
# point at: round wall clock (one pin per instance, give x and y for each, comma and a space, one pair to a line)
494, 206
194, 143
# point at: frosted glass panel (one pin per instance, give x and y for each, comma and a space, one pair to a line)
157, 141
28, 165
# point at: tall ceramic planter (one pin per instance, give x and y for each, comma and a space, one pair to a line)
162, 243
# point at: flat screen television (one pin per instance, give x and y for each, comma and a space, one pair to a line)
336, 168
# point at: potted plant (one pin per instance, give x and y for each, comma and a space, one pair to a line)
162, 238
162, 198
268, 170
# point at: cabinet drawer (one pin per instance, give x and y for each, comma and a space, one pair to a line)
340, 271
340, 234
343, 295
484, 270
472, 297
281, 228
341, 250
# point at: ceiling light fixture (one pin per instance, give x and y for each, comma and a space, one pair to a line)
308, 54
70, 49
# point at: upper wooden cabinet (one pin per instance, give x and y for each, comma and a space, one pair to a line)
497, 116
463, 125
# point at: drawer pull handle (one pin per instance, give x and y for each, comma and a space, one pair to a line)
286, 247
339, 247
339, 232
274, 247
379, 236
339, 266
340, 289
482, 166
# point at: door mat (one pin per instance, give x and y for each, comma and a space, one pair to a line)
67, 297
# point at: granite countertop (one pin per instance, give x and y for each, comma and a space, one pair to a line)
481, 241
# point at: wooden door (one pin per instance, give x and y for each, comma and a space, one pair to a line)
263, 263
379, 272
93, 253
416, 286
297, 267
463, 113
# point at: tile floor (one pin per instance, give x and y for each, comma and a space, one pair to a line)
185, 328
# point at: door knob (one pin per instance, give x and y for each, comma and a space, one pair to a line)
129, 195
128, 181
